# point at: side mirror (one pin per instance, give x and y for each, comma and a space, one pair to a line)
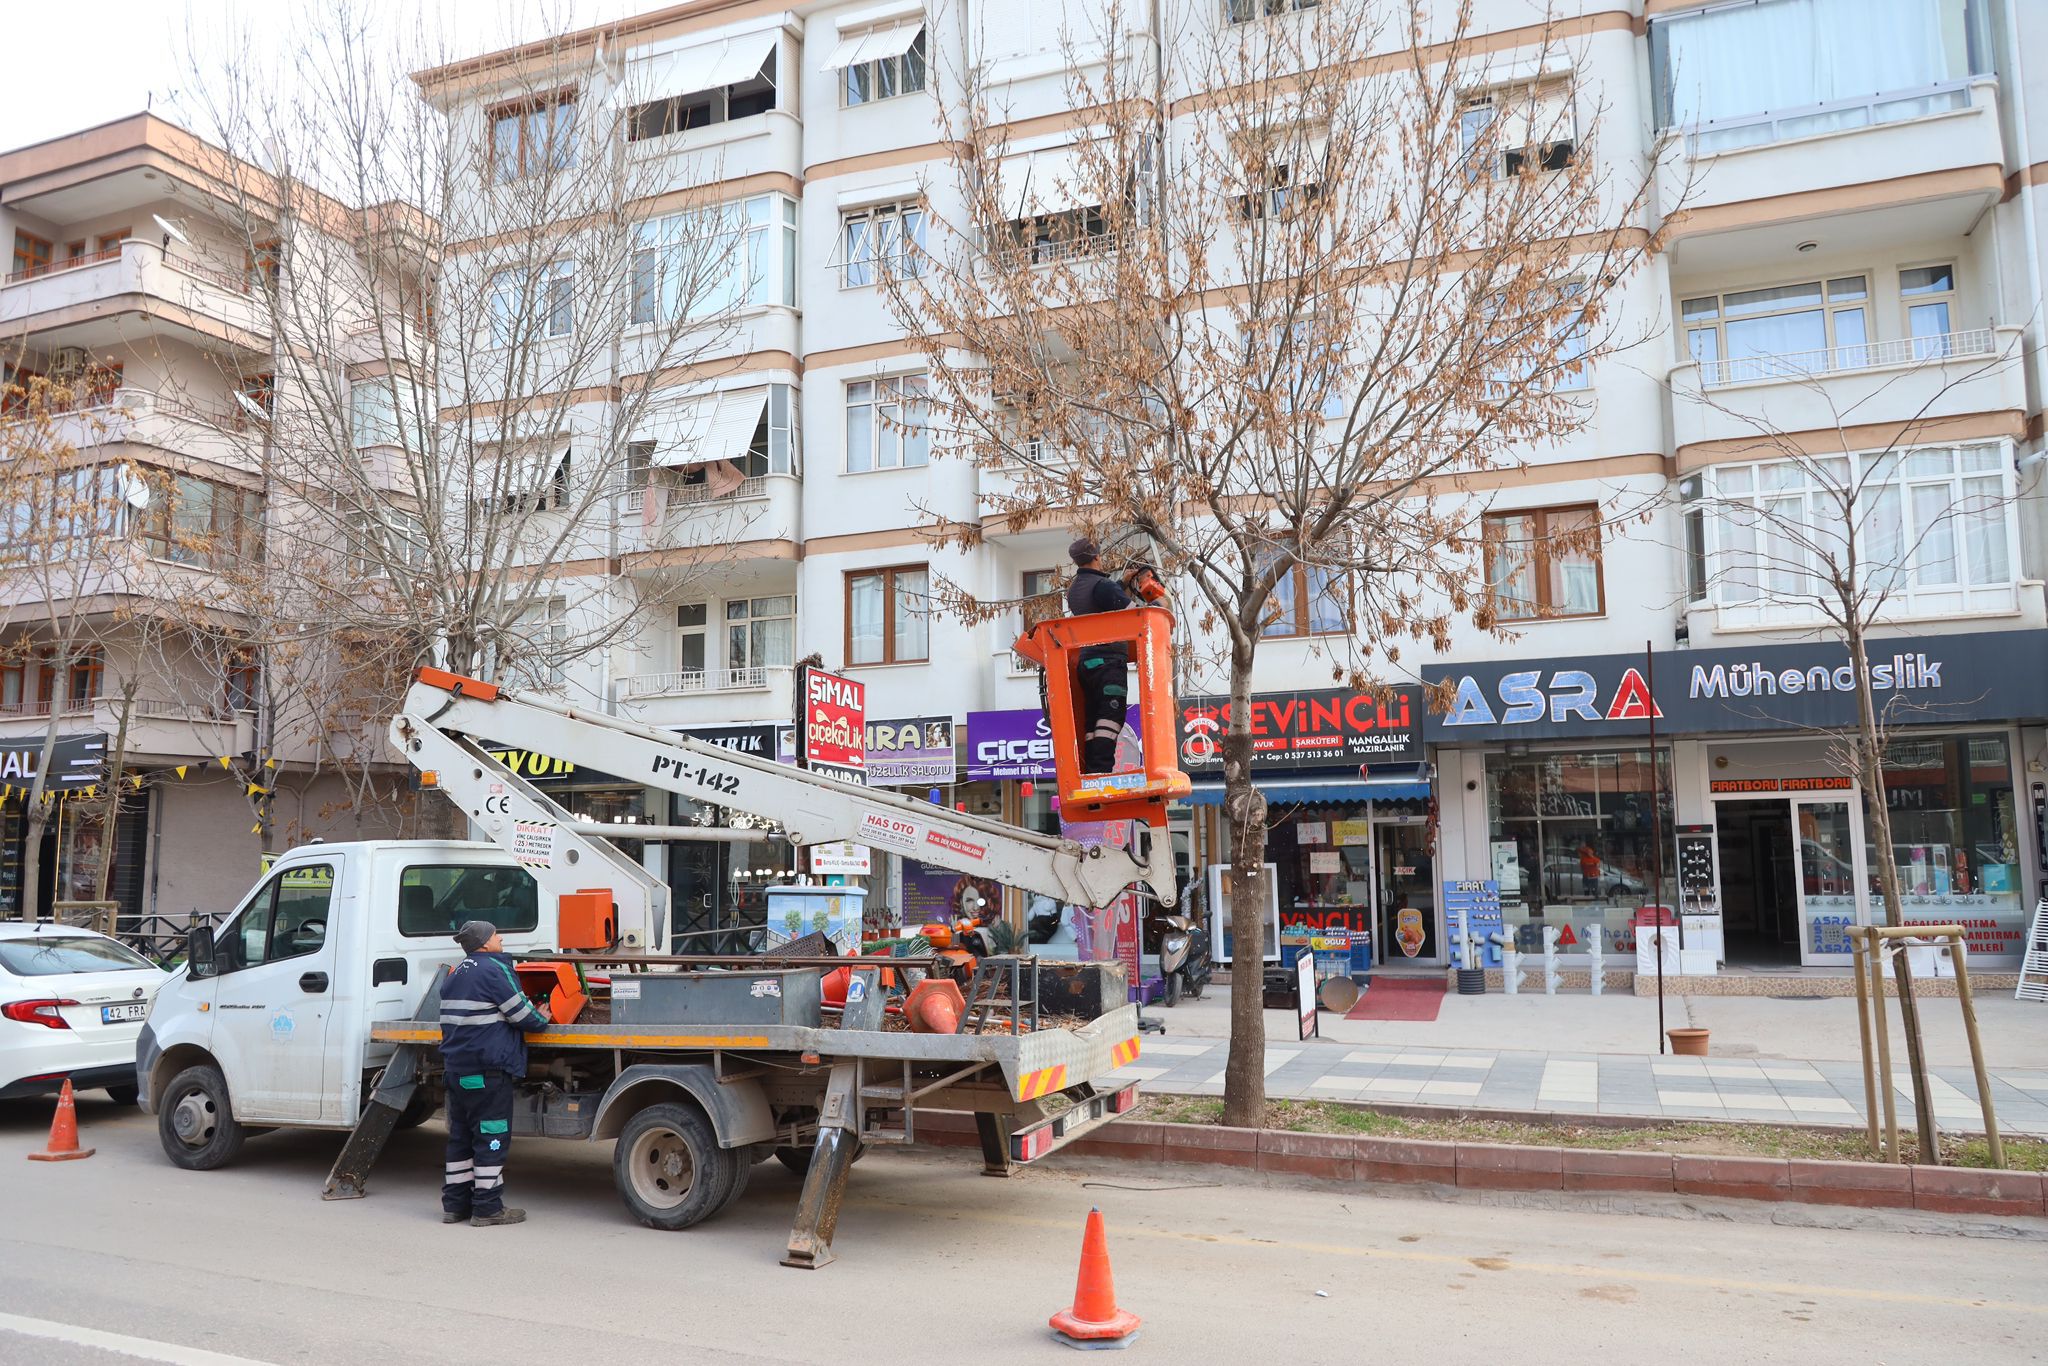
199, 951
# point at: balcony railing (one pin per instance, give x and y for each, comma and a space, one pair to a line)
141, 402
1794, 365
688, 682
233, 282
1834, 116
68, 263
695, 495
146, 708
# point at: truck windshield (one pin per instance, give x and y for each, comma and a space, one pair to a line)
47, 955
435, 899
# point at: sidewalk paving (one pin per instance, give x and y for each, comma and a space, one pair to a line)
1600, 1070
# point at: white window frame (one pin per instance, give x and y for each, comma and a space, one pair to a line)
1706, 316
738, 655
1978, 488
700, 630
718, 100
758, 237
899, 66
894, 233
1569, 344
868, 406
1251, 11
550, 617
1930, 346
1524, 101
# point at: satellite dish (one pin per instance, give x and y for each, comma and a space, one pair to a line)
250, 406
134, 490
172, 230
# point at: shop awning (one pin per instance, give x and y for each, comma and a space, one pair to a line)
1408, 780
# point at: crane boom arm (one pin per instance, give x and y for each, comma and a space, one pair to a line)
811, 807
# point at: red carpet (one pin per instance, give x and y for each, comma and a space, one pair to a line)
1399, 998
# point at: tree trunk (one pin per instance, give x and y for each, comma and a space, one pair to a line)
1244, 1076
1870, 759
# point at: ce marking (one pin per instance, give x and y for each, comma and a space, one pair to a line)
498, 806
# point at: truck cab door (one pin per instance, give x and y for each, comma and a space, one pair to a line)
275, 985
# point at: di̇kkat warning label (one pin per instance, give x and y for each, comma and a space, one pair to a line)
533, 843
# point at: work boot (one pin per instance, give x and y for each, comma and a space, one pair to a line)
503, 1216
449, 1216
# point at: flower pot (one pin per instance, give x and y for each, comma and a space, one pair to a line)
1689, 1042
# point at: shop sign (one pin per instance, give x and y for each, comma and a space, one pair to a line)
832, 733
912, 751
1003, 745
1830, 782
75, 761
1336, 726
755, 741
842, 856
1983, 676
1305, 993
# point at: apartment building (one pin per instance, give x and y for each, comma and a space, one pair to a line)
1853, 262
129, 287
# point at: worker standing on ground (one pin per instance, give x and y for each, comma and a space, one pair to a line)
1103, 672
484, 1019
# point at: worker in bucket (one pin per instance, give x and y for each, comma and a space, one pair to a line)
484, 1019
1104, 670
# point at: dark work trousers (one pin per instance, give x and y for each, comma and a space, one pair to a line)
479, 1140
1104, 678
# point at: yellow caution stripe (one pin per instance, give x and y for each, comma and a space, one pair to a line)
1043, 1082
1124, 1054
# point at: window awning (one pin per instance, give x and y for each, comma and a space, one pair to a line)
519, 473
708, 66
1402, 781
1040, 183
715, 428
868, 44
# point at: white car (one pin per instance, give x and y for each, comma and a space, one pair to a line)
72, 1004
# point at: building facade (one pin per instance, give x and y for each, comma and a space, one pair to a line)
1853, 260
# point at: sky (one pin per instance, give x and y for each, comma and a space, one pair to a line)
74, 68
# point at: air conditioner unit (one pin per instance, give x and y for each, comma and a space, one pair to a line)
69, 360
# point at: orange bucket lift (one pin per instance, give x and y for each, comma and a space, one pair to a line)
1140, 794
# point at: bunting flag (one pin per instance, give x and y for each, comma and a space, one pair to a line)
180, 770
270, 763
225, 762
256, 829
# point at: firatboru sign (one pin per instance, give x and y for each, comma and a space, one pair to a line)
833, 733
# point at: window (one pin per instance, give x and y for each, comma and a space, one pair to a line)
674, 114
733, 256
529, 136
260, 390
558, 298
13, 697
888, 424
1277, 188
774, 447
692, 636
434, 899
85, 677
1572, 839
1570, 339
373, 413
1519, 128
1935, 531
1307, 363
886, 616
1740, 75
520, 310
760, 633
1544, 563
260, 266
881, 78
202, 522
535, 648
1039, 600
286, 918
379, 542
31, 255
1695, 554
60, 954
1307, 600
886, 237
242, 684
1244, 11
1929, 293
1780, 330
110, 242
639, 471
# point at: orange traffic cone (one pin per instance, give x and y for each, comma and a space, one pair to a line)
63, 1132
1095, 1321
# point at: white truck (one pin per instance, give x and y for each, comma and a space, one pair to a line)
314, 1003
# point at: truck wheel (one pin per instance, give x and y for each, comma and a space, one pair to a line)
124, 1095
669, 1168
195, 1123
419, 1109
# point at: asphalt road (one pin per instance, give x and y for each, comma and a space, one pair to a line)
936, 1263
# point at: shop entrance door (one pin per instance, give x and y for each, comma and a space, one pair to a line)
696, 873
1828, 845
1405, 913
1759, 883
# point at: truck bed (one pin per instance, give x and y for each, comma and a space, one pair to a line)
1034, 1064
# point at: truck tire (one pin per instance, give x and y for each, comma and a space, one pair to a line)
195, 1123
124, 1095
419, 1109
669, 1168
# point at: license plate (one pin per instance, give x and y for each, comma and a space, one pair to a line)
134, 1010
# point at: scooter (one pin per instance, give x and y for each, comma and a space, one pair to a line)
1183, 948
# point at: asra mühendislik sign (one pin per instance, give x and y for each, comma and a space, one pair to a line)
1974, 677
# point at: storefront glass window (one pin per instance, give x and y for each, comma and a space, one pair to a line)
1955, 839
1570, 842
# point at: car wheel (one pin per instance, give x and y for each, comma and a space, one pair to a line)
124, 1095
195, 1123
669, 1169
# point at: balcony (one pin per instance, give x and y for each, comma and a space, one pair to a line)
167, 422
1738, 403
776, 678
73, 300
760, 507
156, 726
709, 697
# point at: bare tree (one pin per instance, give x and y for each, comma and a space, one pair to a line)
491, 317
1295, 281
71, 580
1827, 536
